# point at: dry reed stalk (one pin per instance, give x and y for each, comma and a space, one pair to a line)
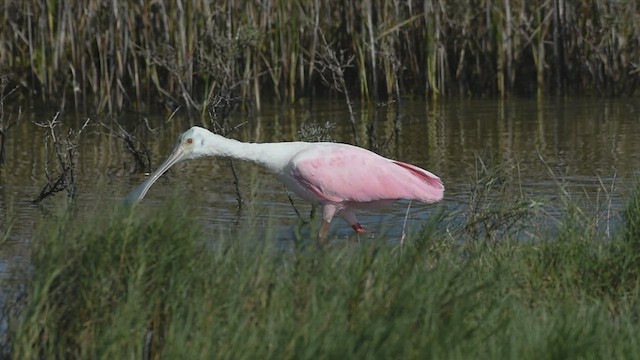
6, 123
332, 68
116, 54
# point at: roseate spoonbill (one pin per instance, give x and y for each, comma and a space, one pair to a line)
338, 177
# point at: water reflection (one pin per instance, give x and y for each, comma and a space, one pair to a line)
584, 146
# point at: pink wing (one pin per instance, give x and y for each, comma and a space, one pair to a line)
345, 173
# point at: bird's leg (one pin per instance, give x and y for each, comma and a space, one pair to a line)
351, 218
327, 214
324, 230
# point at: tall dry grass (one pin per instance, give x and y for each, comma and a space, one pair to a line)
116, 54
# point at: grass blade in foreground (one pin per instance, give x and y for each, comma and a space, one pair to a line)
128, 285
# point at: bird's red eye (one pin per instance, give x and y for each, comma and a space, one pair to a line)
189, 141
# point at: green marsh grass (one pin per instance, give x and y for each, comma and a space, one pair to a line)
154, 284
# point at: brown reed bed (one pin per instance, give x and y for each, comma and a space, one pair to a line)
109, 55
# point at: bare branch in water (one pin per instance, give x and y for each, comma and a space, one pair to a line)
61, 150
220, 105
134, 146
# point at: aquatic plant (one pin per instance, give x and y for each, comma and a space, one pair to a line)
154, 285
171, 53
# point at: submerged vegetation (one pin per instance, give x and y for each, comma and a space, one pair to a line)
118, 54
155, 285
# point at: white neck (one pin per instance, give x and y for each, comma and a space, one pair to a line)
273, 156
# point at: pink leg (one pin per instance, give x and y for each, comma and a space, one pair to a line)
324, 230
327, 214
351, 218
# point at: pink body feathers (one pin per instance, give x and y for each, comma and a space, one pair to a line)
342, 177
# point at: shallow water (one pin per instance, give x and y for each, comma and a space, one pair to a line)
586, 147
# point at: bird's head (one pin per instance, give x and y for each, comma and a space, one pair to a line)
192, 144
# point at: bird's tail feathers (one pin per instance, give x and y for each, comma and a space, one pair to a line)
434, 191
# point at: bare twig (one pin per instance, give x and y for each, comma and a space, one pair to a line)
220, 106
331, 66
608, 192
315, 132
5, 126
173, 113
404, 225
293, 205
219, 63
138, 149
165, 57
65, 153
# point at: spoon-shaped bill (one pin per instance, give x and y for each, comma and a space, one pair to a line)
141, 190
